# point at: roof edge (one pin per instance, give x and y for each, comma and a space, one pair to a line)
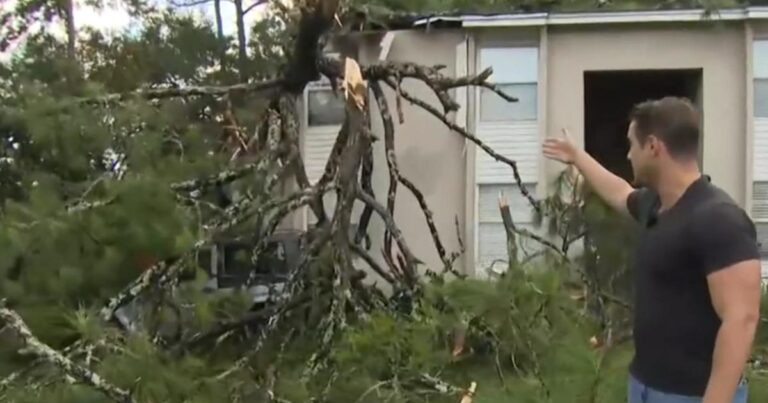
580, 18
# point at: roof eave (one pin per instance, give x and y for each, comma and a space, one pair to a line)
610, 17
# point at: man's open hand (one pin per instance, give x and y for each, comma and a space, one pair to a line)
560, 149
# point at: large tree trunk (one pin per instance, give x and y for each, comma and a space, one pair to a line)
220, 33
241, 54
69, 15
219, 22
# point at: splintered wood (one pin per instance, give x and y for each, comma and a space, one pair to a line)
469, 394
354, 85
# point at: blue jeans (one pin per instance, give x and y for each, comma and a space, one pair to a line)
639, 393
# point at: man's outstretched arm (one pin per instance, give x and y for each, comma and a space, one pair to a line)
611, 188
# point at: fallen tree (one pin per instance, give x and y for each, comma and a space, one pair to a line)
328, 335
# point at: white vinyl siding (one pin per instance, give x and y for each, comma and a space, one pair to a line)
318, 144
760, 147
492, 243
323, 117
517, 141
512, 130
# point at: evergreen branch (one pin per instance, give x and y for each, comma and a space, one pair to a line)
190, 91
439, 385
84, 205
218, 179
293, 284
373, 388
162, 272
69, 351
285, 207
225, 327
85, 375
263, 161
348, 164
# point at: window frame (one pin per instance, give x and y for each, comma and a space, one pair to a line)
317, 86
532, 46
759, 74
524, 47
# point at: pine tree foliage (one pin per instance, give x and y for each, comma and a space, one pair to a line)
120, 168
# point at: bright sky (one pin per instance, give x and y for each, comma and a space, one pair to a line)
115, 17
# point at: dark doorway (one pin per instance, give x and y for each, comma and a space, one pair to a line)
608, 98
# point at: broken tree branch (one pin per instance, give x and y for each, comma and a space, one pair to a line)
359, 251
466, 134
191, 91
218, 179
393, 73
389, 221
395, 177
366, 176
430, 75
85, 375
389, 146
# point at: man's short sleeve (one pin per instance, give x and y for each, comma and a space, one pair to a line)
723, 235
640, 202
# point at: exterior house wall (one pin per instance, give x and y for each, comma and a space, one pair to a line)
428, 153
717, 49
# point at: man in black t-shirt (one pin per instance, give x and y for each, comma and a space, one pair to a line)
696, 268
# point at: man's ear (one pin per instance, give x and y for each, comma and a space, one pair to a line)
654, 143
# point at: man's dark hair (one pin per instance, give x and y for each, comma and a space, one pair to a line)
673, 120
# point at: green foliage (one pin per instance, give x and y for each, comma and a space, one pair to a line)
86, 206
523, 339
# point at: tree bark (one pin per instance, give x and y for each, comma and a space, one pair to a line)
219, 22
69, 15
220, 33
241, 45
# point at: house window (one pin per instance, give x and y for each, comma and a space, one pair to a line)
324, 114
511, 129
761, 97
760, 147
515, 71
324, 108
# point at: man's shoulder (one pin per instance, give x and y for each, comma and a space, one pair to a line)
718, 211
642, 203
716, 201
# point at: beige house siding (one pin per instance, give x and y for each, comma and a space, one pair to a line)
428, 153
717, 49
